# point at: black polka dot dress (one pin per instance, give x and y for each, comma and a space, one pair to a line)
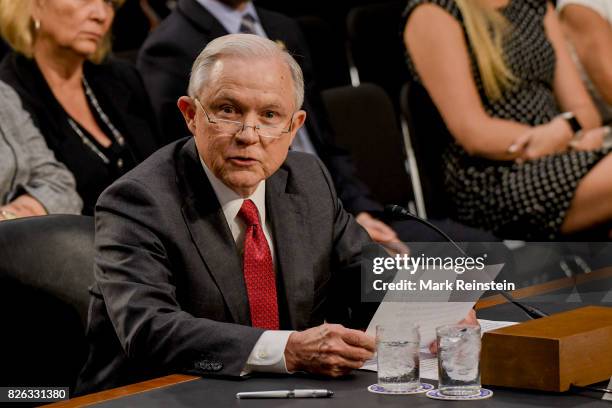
529, 200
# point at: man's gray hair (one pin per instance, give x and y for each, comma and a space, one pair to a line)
243, 46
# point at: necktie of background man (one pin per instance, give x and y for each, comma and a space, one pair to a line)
247, 25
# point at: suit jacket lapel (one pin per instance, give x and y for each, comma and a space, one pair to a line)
200, 17
270, 26
288, 214
209, 230
210, 233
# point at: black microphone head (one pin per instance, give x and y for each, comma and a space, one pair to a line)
396, 211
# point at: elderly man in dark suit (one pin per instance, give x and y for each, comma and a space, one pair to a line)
224, 253
165, 60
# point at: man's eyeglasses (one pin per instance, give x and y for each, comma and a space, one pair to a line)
232, 127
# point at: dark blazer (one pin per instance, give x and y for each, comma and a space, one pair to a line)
170, 294
165, 62
121, 94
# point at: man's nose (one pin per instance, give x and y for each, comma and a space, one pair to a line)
248, 134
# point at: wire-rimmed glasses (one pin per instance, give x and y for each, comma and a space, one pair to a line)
232, 127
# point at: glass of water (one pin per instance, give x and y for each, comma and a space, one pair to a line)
397, 350
458, 359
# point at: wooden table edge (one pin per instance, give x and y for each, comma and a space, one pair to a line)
546, 287
124, 391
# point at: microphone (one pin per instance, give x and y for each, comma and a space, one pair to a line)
400, 213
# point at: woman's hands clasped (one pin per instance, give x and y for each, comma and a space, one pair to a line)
554, 137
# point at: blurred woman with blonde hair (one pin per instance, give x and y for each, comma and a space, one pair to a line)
93, 111
528, 158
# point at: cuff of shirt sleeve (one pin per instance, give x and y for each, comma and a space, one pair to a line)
268, 354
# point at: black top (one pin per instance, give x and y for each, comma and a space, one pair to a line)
119, 91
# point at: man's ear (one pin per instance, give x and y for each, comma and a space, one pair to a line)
298, 121
188, 109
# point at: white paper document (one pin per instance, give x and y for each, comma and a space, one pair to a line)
426, 315
397, 308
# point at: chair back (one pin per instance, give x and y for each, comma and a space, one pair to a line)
425, 136
46, 267
365, 123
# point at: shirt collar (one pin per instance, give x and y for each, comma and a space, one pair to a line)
231, 201
229, 18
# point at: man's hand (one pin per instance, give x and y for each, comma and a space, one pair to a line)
469, 319
381, 233
378, 230
329, 349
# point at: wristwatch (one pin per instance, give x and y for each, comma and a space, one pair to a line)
571, 120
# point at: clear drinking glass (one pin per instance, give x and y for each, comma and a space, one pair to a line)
458, 359
397, 350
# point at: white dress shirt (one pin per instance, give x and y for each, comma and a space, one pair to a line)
268, 354
231, 19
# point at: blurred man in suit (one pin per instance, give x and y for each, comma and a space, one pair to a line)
165, 60
225, 253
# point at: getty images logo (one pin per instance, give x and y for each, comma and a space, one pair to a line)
422, 262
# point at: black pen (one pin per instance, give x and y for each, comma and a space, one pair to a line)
286, 394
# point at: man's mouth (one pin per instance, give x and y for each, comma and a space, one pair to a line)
242, 161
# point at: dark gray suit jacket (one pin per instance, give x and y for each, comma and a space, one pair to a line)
169, 293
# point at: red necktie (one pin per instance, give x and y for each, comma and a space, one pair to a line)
258, 271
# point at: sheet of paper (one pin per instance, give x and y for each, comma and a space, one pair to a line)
490, 325
427, 315
397, 308
608, 395
428, 366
